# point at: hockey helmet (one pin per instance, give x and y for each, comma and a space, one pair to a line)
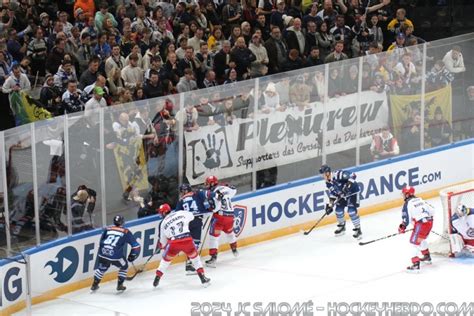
212, 181
408, 191
461, 210
324, 169
164, 209
185, 188
119, 220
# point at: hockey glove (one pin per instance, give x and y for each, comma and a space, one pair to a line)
329, 208
219, 195
402, 228
132, 257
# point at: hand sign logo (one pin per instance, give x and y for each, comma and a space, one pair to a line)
213, 152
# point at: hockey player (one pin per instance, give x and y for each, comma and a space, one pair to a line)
421, 213
198, 204
343, 192
174, 238
222, 219
462, 234
111, 252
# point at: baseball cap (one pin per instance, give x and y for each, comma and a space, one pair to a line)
99, 91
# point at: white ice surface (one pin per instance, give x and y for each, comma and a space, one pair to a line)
297, 268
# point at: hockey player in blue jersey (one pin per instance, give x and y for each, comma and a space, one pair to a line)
343, 192
111, 252
199, 203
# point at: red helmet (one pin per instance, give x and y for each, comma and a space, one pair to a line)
164, 209
212, 181
408, 191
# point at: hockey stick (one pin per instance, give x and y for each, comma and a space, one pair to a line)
137, 271
205, 235
314, 226
444, 237
362, 243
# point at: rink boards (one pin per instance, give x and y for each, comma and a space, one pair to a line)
67, 264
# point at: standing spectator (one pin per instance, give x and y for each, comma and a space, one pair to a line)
325, 40
171, 68
78, 209
64, 75
337, 54
84, 53
454, 61
132, 75
312, 16
102, 48
73, 99
258, 67
277, 51
262, 25
410, 135
295, 38
56, 56
16, 81
50, 96
89, 76
103, 14
439, 129
188, 116
187, 61
329, 14
38, 50
222, 62
67, 26
186, 83
439, 76
16, 49
154, 87
376, 30
242, 57
231, 16
246, 32
311, 39
396, 23
91, 108
341, 32
195, 41
115, 62
203, 62
384, 145
277, 16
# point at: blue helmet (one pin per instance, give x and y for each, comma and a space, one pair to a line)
324, 169
185, 188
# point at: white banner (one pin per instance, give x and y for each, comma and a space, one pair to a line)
283, 137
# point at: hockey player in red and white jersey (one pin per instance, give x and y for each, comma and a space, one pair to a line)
174, 237
462, 234
222, 220
420, 212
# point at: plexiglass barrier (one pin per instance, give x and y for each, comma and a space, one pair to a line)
74, 173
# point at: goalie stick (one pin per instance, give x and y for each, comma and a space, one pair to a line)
362, 243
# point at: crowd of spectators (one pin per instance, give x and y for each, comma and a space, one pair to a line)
144, 49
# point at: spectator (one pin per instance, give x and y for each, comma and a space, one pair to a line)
102, 48
312, 16
295, 38
242, 57
410, 135
154, 87
277, 51
186, 83
56, 56
259, 66
84, 53
294, 61
91, 108
341, 32
311, 39
80, 200
210, 79
400, 19
271, 100
399, 43
407, 72
328, 13
50, 96
314, 58
88, 7
67, 26
89, 76
300, 94
171, 68
335, 84
203, 63
439, 129
73, 99
132, 75
216, 40
16, 82
222, 62
453, 60
64, 75
439, 76
38, 50
375, 30
384, 145
262, 25
276, 19
325, 40
188, 116
231, 15
16, 49
232, 76
103, 14
115, 62
195, 41
337, 54
246, 32
187, 61
319, 87
235, 34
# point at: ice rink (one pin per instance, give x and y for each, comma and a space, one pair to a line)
318, 267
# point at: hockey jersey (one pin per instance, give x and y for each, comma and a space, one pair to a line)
196, 202
342, 184
175, 226
113, 242
223, 205
464, 225
416, 209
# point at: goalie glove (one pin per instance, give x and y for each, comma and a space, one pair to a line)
402, 228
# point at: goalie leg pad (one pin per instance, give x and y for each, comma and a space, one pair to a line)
457, 243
